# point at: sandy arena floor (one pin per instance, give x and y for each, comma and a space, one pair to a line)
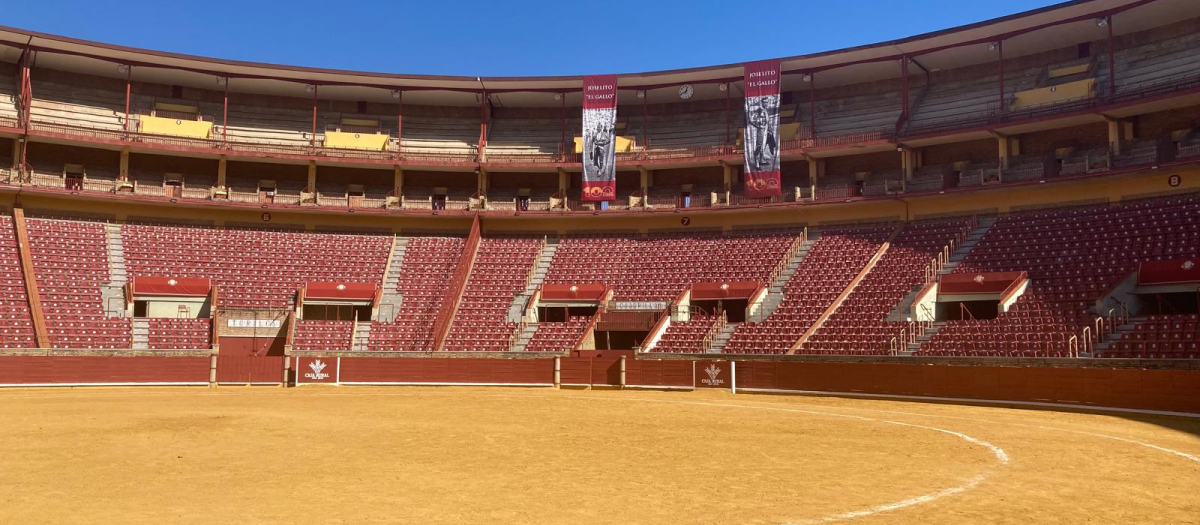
471, 455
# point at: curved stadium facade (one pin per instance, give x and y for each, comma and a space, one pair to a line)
1018, 195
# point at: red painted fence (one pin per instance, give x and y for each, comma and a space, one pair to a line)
248, 369
478, 371
102, 370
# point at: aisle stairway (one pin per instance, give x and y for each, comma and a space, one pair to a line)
389, 303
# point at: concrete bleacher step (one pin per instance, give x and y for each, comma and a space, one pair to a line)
1120, 332
516, 309
523, 337
362, 335
775, 293
389, 303
721, 339
141, 334
903, 310
112, 294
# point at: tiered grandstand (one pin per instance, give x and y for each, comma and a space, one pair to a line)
317, 212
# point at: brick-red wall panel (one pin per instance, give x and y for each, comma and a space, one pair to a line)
437, 370
249, 369
1172, 390
102, 369
646, 372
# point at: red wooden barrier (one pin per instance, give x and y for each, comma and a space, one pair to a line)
1170, 390
590, 371
658, 374
103, 370
315, 370
254, 370
465, 371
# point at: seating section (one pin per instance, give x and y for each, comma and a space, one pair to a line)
1074, 258
658, 267
180, 334
836, 257
424, 275
253, 268
530, 138
846, 116
502, 267
688, 336
859, 326
1156, 62
318, 335
71, 262
558, 337
947, 105
1159, 337
16, 325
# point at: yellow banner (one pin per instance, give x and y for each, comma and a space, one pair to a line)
197, 129
345, 140
1049, 95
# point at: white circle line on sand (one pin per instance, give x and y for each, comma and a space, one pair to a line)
1001, 456
1184, 455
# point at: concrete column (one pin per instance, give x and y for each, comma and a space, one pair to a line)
398, 179
564, 183
125, 162
908, 162
1005, 150
727, 176
481, 182
816, 168
222, 166
16, 154
312, 176
645, 184
1114, 135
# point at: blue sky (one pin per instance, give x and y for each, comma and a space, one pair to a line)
472, 37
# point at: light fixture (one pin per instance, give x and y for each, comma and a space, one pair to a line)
311, 88
222, 81
724, 286
396, 94
558, 96
1102, 21
807, 77
641, 93
123, 68
723, 87
574, 288
991, 46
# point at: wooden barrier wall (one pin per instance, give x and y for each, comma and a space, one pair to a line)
27, 370
1148, 389
464, 371
1169, 390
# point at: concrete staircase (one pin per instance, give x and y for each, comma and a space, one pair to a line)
541, 267
362, 334
141, 333
523, 337
389, 304
775, 292
903, 310
112, 294
929, 333
722, 338
1122, 331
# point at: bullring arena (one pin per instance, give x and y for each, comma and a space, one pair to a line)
952, 278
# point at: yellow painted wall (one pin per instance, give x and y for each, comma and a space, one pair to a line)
346, 140
196, 129
1048, 95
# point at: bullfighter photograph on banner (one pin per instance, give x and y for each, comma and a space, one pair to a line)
762, 129
599, 138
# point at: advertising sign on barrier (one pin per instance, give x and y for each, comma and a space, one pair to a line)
321, 370
714, 374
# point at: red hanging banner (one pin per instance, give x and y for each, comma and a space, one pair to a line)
599, 138
761, 143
